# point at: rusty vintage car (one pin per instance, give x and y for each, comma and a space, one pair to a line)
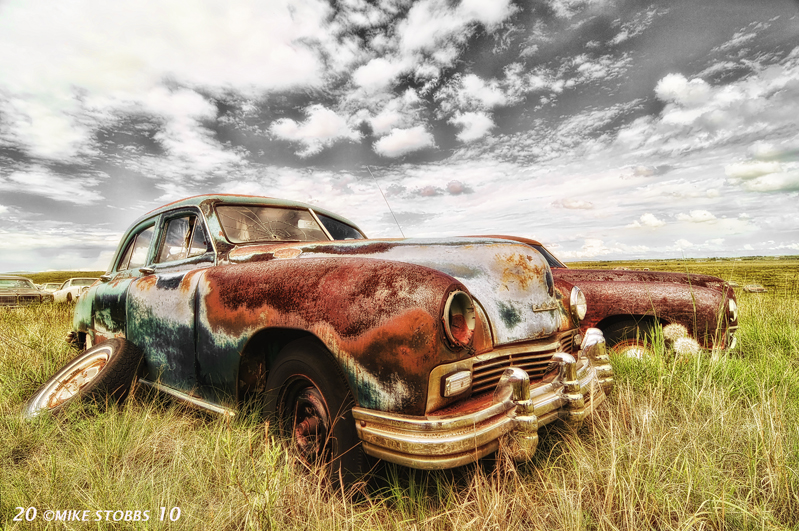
17, 291
696, 311
429, 353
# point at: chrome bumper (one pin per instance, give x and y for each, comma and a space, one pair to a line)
511, 417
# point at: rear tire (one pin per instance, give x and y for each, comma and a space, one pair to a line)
99, 373
310, 403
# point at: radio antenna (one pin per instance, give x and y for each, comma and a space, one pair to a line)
386, 200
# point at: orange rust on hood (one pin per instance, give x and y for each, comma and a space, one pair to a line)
519, 269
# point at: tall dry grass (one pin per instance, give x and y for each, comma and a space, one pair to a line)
684, 443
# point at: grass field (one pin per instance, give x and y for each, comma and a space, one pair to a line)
682, 444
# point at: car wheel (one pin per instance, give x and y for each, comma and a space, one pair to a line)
310, 403
103, 371
633, 339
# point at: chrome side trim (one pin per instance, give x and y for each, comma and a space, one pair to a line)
199, 402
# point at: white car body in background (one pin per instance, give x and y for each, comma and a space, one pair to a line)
72, 289
50, 287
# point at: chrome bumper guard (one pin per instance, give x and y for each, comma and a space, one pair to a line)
512, 418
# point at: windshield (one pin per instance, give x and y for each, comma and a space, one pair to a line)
14, 283
83, 281
245, 224
551, 260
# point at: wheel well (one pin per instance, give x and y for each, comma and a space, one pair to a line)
257, 357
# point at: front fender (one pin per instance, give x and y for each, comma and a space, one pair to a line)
380, 319
696, 307
84, 309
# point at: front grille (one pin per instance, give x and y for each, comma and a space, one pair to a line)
28, 299
533, 357
8, 300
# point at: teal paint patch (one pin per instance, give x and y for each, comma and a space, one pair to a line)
509, 314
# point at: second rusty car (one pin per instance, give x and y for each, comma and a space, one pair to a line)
695, 311
429, 353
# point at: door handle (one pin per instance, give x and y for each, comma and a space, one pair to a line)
146, 270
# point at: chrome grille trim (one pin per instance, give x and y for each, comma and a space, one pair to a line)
534, 357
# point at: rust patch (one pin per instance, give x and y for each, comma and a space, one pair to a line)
147, 283
379, 318
352, 295
517, 269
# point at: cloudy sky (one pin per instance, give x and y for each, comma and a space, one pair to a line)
607, 129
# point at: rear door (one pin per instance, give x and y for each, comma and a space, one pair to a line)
161, 303
109, 315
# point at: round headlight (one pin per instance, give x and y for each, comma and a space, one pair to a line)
459, 318
577, 303
733, 310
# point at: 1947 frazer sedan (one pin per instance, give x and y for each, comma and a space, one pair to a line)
429, 353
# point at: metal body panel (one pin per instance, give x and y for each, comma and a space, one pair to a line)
107, 311
161, 321
507, 279
380, 320
699, 302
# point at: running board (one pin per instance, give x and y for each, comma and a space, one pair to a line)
199, 402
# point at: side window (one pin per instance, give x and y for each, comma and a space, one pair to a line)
123, 264
339, 230
184, 238
199, 241
135, 255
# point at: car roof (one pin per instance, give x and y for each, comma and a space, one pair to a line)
237, 199
528, 241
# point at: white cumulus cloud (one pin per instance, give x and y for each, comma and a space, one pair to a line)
647, 220
403, 141
475, 125
322, 128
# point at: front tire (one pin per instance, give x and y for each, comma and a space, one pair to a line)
103, 371
310, 403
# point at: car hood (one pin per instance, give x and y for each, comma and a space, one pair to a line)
576, 276
507, 279
21, 291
